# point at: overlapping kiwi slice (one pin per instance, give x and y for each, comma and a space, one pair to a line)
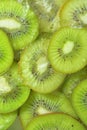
7, 119
74, 13
39, 104
12, 92
72, 81
56, 121
67, 50
6, 53
19, 22
79, 100
47, 13
36, 69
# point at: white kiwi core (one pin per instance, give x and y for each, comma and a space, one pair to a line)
83, 18
68, 47
4, 86
42, 64
9, 24
41, 110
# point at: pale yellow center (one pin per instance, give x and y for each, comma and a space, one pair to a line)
9, 24
4, 86
68, 47
42, 111
83, 18
42, 65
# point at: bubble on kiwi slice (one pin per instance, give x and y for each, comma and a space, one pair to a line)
79, 100
74, 13
39, 104
67, 51
35, 67
6, 120
13, 93
58, 121
6, 53
72, 81
19, 22
47, 13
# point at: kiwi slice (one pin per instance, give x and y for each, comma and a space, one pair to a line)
72, 81
6, 120
35, 68
67, 50
12, 92
39, 104
79, 100
58, 121
47, 13
74, 13
19, 22
6, 53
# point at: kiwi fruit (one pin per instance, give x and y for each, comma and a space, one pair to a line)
12, 92
6, 53
74, 13
79, 100
39, 104
19, 22
72, 81
35, 67
67, 50
6, 120
47, 13
58, 121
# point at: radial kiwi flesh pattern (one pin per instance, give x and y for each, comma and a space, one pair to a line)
43, 65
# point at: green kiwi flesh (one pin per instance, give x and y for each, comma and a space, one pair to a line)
58, 121
79, 100
6, 120
19, 23
67, 51
47, 13
6, 53
39, 104
72, 81
12, 92
74, 13
35, 67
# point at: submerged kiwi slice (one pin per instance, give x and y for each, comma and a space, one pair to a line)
19, 22
39, 104
12, 92
47, 13
6, 53
79, 100
6, 120
67, 50
35, 68
58, 121
74, 13
72, 81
